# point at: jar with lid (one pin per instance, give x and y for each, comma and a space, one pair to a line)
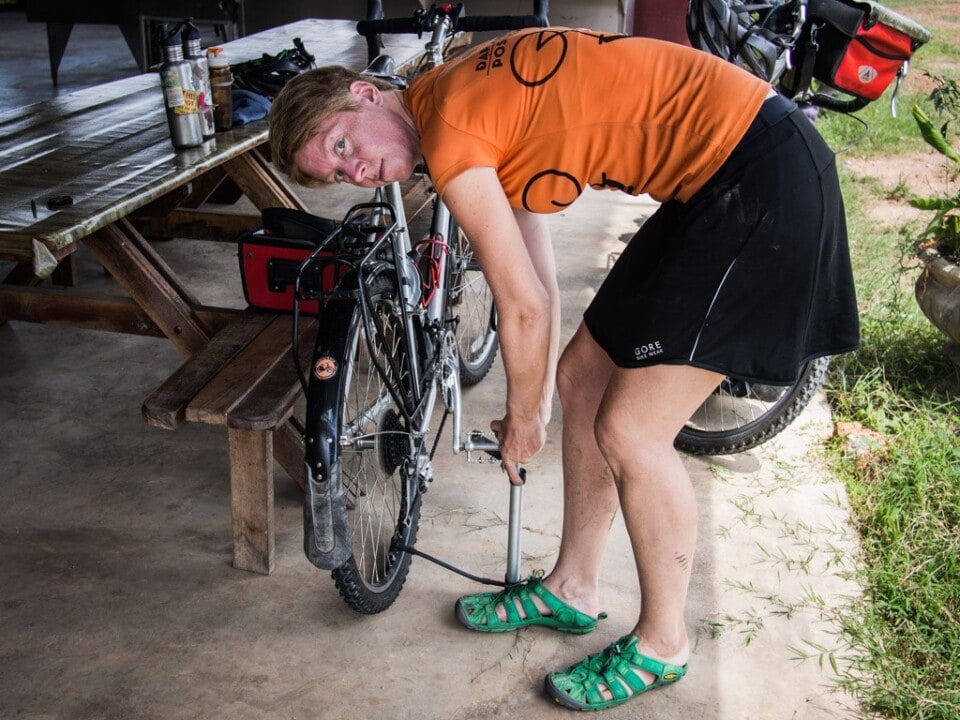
221, 81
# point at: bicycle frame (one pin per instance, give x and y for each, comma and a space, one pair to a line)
442, 28
372, 397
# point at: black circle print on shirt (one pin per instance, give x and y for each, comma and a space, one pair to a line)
554, 42
558, 184
546, 41
552, 183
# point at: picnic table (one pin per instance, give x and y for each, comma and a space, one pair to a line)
90, 168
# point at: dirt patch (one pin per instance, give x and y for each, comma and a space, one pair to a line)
894, 180
943, 18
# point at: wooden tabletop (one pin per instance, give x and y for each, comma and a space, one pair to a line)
108, 147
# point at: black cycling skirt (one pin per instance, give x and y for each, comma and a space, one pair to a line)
751, 277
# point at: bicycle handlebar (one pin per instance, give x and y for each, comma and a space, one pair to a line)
414, 25
829, 102
481, 23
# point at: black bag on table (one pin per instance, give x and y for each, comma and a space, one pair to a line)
268, 74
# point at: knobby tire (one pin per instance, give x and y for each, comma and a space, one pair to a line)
470, 300
377, 451
739, 416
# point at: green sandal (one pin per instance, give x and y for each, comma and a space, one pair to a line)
615, 668
479, 612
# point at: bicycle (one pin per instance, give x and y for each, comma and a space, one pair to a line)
403, 323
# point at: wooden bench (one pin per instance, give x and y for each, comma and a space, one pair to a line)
245, 379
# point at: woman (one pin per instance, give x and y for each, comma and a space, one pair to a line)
743, 270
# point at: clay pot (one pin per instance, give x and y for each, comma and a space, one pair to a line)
938, 293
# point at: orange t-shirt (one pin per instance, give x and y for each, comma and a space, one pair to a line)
556, 110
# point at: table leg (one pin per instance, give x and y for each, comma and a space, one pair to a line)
151, 283
263, 185
58, 33
251, 499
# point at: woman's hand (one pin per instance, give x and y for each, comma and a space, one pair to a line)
519, 442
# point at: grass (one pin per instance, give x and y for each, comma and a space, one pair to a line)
902, 635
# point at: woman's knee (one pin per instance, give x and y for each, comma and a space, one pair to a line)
619, 433
582, 374
644, 409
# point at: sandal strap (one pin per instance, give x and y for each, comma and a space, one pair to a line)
630, 658
521, 592
561, 610
481, 611
616, 668
555, 604
529, 607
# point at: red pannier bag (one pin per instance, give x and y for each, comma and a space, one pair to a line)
855, 46
270, 258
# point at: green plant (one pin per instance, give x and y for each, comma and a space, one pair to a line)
943, 231
900, 645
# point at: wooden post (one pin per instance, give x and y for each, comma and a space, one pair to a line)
251, 499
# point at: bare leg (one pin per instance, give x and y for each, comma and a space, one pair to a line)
589, 494
640, 415
619, 427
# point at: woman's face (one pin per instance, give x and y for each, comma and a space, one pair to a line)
369, 146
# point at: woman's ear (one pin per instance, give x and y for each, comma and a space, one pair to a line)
366, 91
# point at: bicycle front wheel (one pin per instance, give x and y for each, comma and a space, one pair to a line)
741, 415
376, 452
472, 302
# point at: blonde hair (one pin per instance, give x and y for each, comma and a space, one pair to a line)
303, 104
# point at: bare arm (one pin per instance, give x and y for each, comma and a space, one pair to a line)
523, 305
536, 236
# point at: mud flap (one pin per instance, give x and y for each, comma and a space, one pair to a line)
326, 537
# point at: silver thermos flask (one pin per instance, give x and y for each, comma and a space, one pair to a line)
180, 95
201, 76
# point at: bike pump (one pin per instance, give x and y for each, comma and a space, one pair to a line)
477, 442
513, 532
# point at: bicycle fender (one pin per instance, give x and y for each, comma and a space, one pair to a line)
326, 533
326, 537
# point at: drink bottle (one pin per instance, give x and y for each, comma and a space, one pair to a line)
221, 81
201, 76
179, 94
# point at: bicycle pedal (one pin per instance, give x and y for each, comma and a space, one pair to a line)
478, 442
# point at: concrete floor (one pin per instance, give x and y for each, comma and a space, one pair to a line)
119, 600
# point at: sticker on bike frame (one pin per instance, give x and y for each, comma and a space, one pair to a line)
324, 368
